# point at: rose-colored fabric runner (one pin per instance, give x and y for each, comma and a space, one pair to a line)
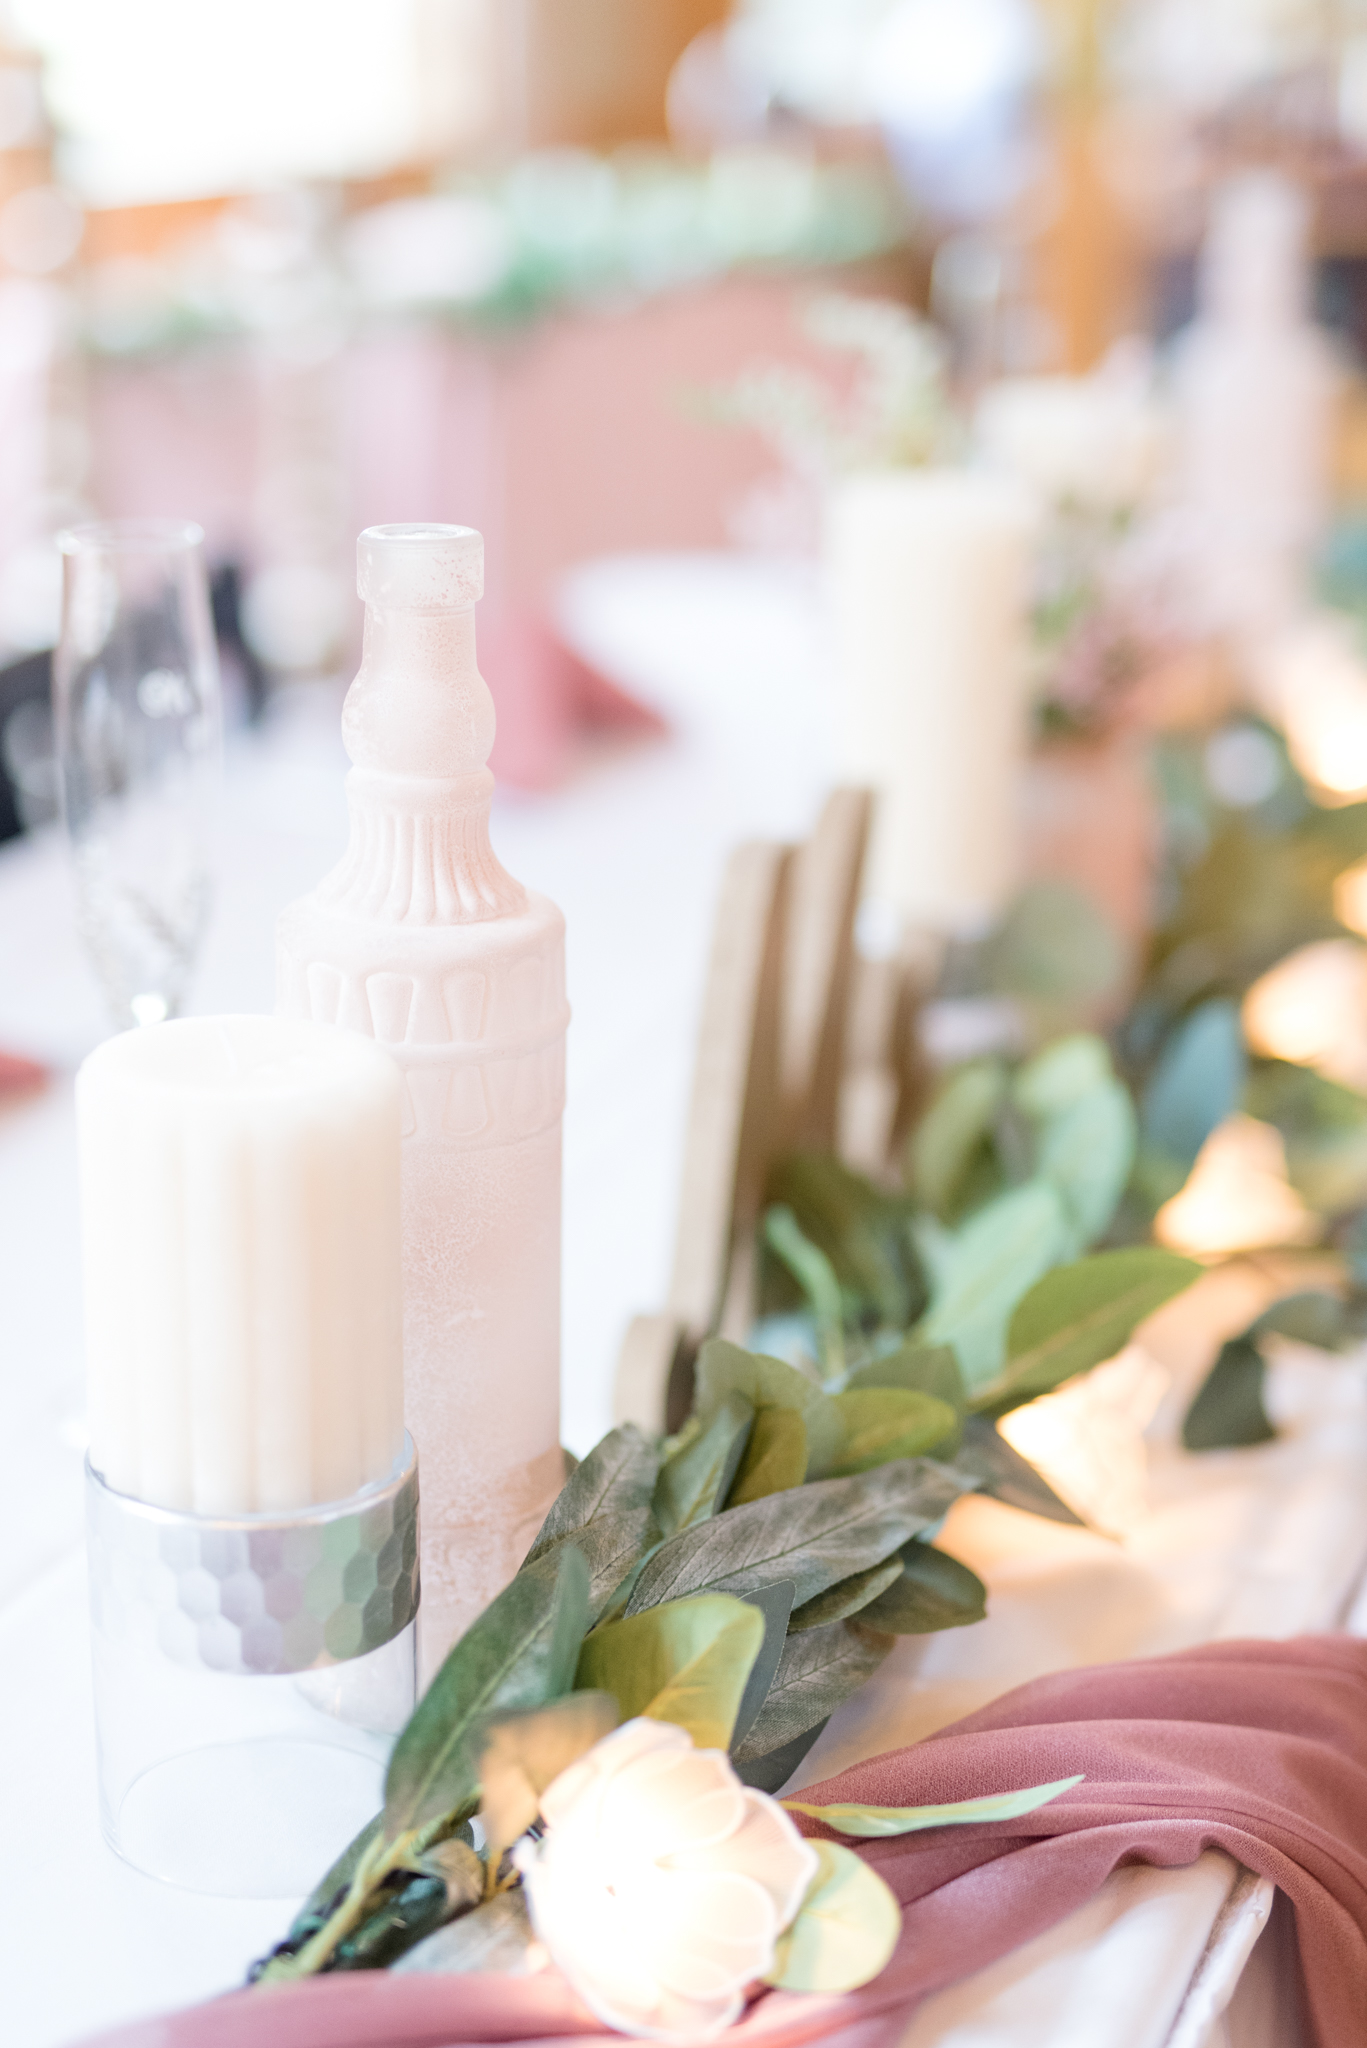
1259, 1749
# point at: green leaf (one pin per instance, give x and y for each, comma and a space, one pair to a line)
813, 1535
1007, 1476
1228, 1411
846, 1930
1197, 1083
921, 1368
1087, 1151
1079, 1315
685, 1661
819, 1668
520, 1653
405, 1912
954, 1134
878, 1821
990, 1263
775, 1603
775, 1456
846, 1597
863, 1232
890, 1422
694, 1483
522, 1753
767, 1383
605, 1506
932, 1591
1058, 1078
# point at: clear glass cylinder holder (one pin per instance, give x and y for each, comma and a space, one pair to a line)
251, 1674
138, 724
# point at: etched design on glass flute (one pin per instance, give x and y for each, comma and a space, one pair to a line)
139, 741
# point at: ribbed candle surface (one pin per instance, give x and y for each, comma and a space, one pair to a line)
241, 1238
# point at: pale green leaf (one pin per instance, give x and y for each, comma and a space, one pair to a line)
1078, 1316
775, 1457
921, 1368
846, 1930
686, 1661
522, 1753
815, 1275
890, 1422
991, 1262
694, 1483
950, 1137
1049, 1085
1087, 1151
725, 1368
875, 1821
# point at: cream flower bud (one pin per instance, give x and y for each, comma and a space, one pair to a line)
661, 1883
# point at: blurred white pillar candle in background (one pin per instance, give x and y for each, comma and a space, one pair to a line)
928, 574
241, 1235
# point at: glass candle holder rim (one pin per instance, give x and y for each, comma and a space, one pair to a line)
401, 1473
141, 535
433, 531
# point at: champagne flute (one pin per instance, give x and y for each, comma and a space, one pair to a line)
139, 749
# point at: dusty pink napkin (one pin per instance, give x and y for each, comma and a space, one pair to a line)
1256, 1748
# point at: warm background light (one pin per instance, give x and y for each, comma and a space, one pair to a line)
1312, 1009
1237, 1197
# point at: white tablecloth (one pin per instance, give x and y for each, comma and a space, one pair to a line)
633, 851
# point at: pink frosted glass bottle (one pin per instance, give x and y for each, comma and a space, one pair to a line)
420, 938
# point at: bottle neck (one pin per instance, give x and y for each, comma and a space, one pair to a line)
418, 724
419, 705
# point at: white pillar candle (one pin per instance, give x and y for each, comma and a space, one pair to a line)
241, 1236
928, 584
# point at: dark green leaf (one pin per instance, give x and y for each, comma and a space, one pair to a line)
1311, 1317
496, 1937
409, 1909
1007, 1476
1228, 1410
814, 1535
694, 1483
775, 1456
605, 1506
1079, 1315
890, 1422
725, 1369
775, 1603
847, 1596
520, 1653
820, 1668
933, 1591
1197, 1083
954, 1134
863, 1232
771, 1772
1324, 1128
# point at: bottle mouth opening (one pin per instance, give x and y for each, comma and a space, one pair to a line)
420, 531
420, 566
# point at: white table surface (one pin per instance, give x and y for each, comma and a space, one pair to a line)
633, 850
